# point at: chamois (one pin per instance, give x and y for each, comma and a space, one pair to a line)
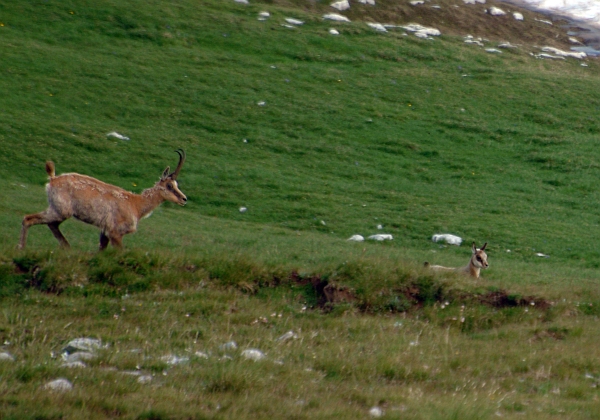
112, 209
477, 262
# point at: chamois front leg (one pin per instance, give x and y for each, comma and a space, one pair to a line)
116, 241
103, 241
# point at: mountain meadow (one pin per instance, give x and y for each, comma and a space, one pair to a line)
250, 302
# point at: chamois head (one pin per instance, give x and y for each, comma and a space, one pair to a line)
168, 182
479, 258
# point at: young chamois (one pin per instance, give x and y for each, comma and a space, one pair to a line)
112, 209
477, 262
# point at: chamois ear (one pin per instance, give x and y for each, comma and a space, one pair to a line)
483, 247
473, 248
165, 173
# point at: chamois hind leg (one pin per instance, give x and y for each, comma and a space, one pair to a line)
42, 218
103, 241
58, 234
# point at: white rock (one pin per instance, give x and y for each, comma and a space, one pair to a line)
264, 14
201, 355
77, 356
518, 16
83, 344
293, 21
371, 2
448, 238
507, 45
6, 357
561, 53
341, 5
420, 30
376, 412
573, 40
377, 26
262, 103
59, 385
474, 1
172, 360
539, 254
241, 1
253, 354
495, 11
144, 379
334, 31
117, 135
416, 2
381, 237
549, 56
243, 209
288, 335
493, 50
76, 364
230, 345
336, 17
547, 22
356, 238
474, 41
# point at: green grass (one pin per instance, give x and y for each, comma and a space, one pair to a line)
359, 130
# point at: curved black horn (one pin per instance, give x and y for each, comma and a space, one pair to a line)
181, 154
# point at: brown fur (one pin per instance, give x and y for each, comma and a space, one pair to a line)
112, 209
476, 263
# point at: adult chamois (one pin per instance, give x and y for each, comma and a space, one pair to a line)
476, 263
112, 209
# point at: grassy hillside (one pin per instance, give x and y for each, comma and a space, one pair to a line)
320, 137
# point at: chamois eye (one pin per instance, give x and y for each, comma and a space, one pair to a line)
169, 186
478, 258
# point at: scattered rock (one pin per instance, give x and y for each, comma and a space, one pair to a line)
201, 355
507, 45
144, 379
356, 238
448, 238
376, 412
288, 335
370, 2
474, 1
262, 103
264, 15
83, 345
495, 11
377, 26
76, 364
243, 209
173, 360
547, 22
293, 21
341, 5
230, 345
6, 357
561, 53
381, 237
575, 41
420, 30
77, 356
253, 354
336, 17
416, 2
539, 254
59, 385
241, 1
517, 16
493, 50
117, 135
334, 31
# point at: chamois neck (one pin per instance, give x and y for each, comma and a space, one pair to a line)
472, 269
151, 199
